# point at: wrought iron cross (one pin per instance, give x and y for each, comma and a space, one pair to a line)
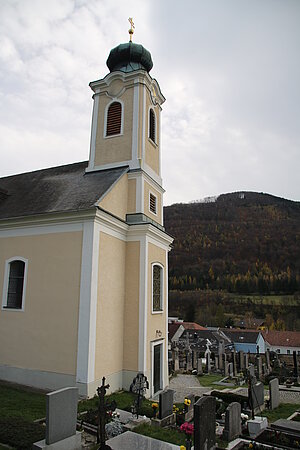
103, 408
139, 386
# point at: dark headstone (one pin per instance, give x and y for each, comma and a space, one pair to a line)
274, 393
226, 368
257, 395
199, 366
189, 365
296, 372
230, 369
205, 423
246, 359
233, 354
233, 425
166, 401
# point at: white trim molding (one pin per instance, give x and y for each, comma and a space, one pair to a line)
6, 283
88, 303
94, 131
135, 121
143, 305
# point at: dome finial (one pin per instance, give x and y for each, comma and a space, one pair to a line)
131, 30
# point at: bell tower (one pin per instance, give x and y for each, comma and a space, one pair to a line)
126, 125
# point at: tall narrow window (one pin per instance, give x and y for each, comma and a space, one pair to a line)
157, 288
15, 284
152, 125
114, 119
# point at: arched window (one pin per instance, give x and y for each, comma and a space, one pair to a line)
114, 119
152, 125
157, 288
14, 292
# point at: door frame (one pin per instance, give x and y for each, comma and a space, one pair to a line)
153, 344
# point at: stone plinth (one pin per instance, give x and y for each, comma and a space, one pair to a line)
256, 425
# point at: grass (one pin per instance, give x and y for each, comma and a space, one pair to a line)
283, 411
170, 435
124, 401
19, 402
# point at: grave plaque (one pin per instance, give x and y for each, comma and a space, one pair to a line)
230, 369
208, 365
216, 363
226, 368
189, 365
166, 400
205, 423
246, 359
234, 368
233, 426
274, 393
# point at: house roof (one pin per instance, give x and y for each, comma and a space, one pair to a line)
282, 338
173, 327
58, 189
242, 336
250, 323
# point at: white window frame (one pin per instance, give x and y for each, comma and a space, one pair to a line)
156, 203
162, 283
6, 281
155, 127
105, 118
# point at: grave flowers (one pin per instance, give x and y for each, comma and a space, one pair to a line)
188, 429
155, 409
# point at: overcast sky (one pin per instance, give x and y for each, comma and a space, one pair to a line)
229, 69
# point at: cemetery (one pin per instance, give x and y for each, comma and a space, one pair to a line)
235, 418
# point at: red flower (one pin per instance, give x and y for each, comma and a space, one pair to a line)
187, 428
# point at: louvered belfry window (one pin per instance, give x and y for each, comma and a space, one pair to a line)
15, 284
152, 125
152, 201
114, 118
157, 288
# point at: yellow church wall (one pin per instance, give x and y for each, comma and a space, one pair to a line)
131, 311
110, 306
118, 148
147, 189
156, 321
151, 149
44, 336
131, 203
116, 200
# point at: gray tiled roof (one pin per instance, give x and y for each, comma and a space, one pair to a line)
58, 189
240, 336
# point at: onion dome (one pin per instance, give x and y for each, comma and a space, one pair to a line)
129, 57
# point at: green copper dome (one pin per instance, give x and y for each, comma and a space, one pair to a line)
129, 57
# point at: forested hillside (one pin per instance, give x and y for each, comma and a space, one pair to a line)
241, 243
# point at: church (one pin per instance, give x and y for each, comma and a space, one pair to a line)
83, 249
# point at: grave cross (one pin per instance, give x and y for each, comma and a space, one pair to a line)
139, 386
103, 409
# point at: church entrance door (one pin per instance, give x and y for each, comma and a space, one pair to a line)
157, 368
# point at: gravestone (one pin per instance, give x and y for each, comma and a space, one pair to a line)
188, 360
268, 362
241, 361
259, 367
296, 372
256, 396
166, 401
199, 366
166, 417
226, 368
205, 423
274, 393
233, 424
208, 364
233, 355
230, 369
220, 354
194, 359
216, 363
61, 419
251, 371
189, 409
176, 359
246, 359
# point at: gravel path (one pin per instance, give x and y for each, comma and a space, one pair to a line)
184, 385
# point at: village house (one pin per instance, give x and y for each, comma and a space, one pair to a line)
282, 342
83, 250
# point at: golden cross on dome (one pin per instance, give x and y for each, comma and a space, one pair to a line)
131, 30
